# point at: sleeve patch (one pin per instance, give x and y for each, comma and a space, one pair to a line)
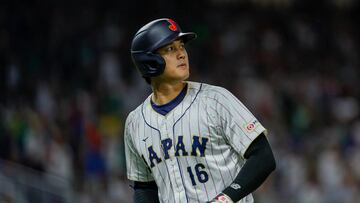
249, 127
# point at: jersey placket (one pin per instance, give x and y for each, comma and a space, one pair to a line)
174, 164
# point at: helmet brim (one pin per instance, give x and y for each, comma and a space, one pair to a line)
185, 36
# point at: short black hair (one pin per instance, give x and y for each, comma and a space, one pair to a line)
148, 80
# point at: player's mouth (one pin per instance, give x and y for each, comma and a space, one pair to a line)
182, 65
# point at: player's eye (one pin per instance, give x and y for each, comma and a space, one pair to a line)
170, 48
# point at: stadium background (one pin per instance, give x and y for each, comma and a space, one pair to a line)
67, 84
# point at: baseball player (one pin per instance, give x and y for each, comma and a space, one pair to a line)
189, 141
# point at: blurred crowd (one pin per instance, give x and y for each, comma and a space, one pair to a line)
67, 84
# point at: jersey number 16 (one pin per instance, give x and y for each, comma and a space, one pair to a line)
202, 176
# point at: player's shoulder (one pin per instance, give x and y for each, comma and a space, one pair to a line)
134, 115
208, 89
130, 119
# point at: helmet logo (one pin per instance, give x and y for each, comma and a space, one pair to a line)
172, 25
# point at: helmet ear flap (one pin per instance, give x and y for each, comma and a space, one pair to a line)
149, 64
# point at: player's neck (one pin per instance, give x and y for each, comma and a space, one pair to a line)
165, 92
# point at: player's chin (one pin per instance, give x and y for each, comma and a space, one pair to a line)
183, 72
183, 76
186, 74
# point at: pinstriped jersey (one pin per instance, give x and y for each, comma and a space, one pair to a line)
196, 150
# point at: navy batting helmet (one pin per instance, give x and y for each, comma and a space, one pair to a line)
151, 37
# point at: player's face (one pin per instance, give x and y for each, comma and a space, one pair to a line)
177, 62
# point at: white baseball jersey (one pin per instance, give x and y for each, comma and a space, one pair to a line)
196, 150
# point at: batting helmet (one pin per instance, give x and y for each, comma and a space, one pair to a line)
151, 37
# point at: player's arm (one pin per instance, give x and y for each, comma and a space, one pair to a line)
145, 189
145, 192
260, 163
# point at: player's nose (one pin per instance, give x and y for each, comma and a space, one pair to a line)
181, 54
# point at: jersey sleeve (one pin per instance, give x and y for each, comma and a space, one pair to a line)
239, 125
137, 170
